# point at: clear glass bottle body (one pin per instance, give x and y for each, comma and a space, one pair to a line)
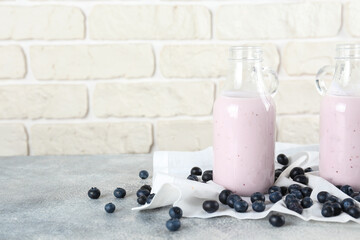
340, 119
244, 125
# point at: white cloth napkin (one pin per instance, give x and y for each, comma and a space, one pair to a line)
172, 188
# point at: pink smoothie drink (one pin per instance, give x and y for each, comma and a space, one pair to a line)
340, 140
244, 142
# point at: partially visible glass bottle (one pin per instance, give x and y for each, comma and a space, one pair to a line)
244, 125
340, 118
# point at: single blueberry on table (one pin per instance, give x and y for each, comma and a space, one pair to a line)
142, 192
147, 187
284, 190
306, 202
150, 198
274, 189
306, 191
141, 200
196, 171
296, 171
173, 224
347, 203
333, 199
322, 196
224, 195
207, 176
354, 212
258, 206
277, 220
275, 197
232, 198
241, 206
282, 159
294, 186
94, 193
143, 174
297, 193
192, 178
257, 197
301, 179
309, 169
347, 190
327, 211
175, 212
337, 208
210, 206
119, 193
110, 208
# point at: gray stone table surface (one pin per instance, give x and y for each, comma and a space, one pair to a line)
46, 198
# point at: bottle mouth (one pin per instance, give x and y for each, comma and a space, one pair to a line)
241, 53
348, 51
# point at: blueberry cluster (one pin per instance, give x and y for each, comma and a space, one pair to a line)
94, 193
144, 195
173, 224
333, 206
297, 173
196, 172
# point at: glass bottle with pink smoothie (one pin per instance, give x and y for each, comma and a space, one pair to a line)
340, 118
244, 124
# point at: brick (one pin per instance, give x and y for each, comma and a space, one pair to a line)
301, 58
184, 135
153, 99
43, 101
77, 62
204, 61
352, 18
12, 62
149, 22
91, 138
297, 96
278, 20
41, 22
298, 129
13, 140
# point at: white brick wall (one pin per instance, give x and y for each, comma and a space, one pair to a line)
134, 76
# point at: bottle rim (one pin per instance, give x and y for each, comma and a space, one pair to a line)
245, 53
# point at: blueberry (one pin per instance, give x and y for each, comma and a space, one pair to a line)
296, 171
306, 191
282, 159
241, 206
210, 206
301, 179
110, 208
347, 203
277, 220
196, 171
274, 189
294, 186
309, 169
278, 172
333, 199
257, 197
357, 198
143, 174
306, 202
327, 211
193, 178
338, 186
290, 197
141, 200
297, 193
94, 193
337, 208
284, 190
355, 194
119, 193
232, 198
295, 206
258, 206
275, 197
207, 176
142, 192
173, 224
347, 190
147, 187
175, 212
150, 198
322, 196
354, 212
224, 195
284, 167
